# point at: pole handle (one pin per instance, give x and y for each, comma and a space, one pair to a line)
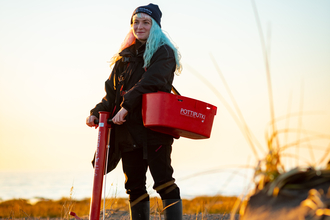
109, 121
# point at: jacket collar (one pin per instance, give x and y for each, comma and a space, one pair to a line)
137, 49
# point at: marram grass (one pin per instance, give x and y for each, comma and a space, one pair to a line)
22, 208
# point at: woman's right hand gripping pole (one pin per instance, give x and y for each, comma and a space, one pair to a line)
90, 121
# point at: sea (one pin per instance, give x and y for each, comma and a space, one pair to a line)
54, 185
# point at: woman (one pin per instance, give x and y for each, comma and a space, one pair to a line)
146, 63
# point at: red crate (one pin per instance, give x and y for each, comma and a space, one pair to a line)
177, 115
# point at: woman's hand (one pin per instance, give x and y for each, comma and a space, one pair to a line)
119, 118
90, 121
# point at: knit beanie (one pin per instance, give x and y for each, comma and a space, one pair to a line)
152, 10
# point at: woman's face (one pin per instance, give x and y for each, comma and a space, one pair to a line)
141, 27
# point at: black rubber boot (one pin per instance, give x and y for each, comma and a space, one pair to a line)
172, 209
140, 211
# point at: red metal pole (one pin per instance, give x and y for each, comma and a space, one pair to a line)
99, 166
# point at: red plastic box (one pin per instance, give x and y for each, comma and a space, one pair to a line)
177, 115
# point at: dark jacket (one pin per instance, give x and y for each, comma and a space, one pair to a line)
126, 85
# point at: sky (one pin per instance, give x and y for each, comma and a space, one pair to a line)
53, 65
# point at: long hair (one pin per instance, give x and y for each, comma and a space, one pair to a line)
128, 41
156, 39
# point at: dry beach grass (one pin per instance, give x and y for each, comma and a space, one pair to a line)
283, 190
216, 207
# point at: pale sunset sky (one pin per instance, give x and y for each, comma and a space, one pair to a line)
53, 65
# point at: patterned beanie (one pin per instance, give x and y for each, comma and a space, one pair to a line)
152, 10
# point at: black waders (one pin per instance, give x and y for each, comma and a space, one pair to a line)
140, 211
172, 209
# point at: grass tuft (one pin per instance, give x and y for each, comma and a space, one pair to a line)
21, 208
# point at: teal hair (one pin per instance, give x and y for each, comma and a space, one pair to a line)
156, 39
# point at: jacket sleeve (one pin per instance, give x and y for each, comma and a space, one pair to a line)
108, 100
158, 77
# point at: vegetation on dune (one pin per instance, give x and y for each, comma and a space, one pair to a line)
44, 208
210, 205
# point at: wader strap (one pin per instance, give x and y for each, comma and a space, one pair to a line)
145, 151
145, 145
